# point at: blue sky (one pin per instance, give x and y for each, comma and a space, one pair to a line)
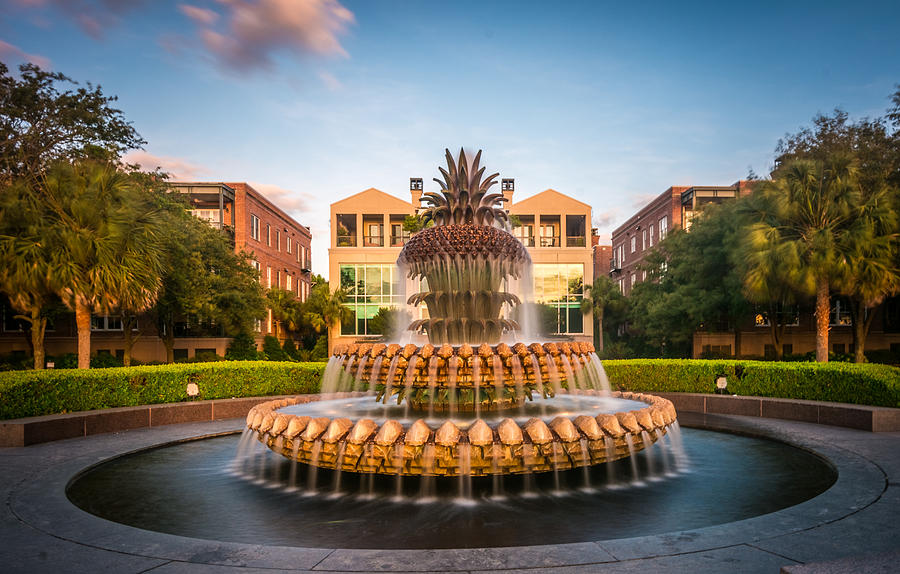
314, 100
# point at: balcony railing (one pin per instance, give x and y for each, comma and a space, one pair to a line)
399, 240
575, 241
373, 240
527, 241
550, 241
346, 241
614, 265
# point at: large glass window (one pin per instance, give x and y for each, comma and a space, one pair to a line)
561, 286
368, 288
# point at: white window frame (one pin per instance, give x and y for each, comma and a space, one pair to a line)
663, 227
644, 240
633, 243
651, 235
268, 277
287, 239
254, 227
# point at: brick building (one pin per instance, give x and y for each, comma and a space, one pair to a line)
675, 207
279, 246
601, 254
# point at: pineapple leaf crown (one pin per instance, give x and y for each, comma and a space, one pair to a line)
464, 196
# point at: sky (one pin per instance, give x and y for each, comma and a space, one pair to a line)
311, 101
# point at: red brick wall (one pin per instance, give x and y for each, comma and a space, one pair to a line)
249, 202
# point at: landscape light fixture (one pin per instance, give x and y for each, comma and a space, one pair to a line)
192, 390
721, 385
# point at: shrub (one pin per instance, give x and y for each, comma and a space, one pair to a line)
242, 348
320, 351
272, 349
32, 393
866, 384
290, 349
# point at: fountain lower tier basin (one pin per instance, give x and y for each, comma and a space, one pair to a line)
201, 490
569, 431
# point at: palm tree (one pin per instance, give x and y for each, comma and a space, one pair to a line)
802, 220
871, 271
104, 234
599, 297
284, 306
326, 310
25, 262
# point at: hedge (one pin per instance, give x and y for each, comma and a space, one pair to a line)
863, 384
32, 393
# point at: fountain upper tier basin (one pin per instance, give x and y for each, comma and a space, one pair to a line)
463, 377
573, 433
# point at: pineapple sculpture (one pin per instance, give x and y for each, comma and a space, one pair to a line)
464, 257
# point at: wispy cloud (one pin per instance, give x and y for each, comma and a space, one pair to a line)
93, 16
177, 168
605, 218
286, 199
249, 33
641, 199
10, 53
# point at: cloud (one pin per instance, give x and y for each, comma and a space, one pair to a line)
642, 199
93, 16
177, 168
296, 201
605, 218
330, 81
253, 31
201, 16
9, 53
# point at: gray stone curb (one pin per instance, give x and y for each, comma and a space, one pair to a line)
42, 531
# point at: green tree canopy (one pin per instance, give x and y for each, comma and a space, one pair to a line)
42, 122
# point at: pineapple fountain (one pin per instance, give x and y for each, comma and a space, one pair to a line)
463, 404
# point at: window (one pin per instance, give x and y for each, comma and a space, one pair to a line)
268, 277
621, 258
644, 240
840, 312
651, 235
257, 266
663, 227
561, 286
633, 279
369, 288
278, 279
287, 282
621, 285
633, 243
268, 235
278, 240
254, 227
107, 323
287, 240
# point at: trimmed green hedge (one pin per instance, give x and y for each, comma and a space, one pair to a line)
863, 384
32, 393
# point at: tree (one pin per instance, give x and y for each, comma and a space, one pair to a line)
41, 125
204, 279
805, 216
600, 296
285, 309
870, 255
25, 264
326, 310
104, 234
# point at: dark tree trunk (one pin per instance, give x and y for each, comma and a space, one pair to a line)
600, 331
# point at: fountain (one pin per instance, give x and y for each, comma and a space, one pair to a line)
465, 403
457, 442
